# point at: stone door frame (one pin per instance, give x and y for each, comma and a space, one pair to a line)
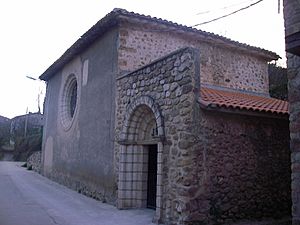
133, 158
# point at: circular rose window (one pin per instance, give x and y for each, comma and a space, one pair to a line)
69, 101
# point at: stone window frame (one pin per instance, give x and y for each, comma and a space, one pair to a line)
67, 117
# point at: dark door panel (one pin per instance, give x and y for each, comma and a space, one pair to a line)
152, 177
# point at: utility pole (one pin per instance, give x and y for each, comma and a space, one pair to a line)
26, 122
39, 93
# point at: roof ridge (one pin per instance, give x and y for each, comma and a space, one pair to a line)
124, 12
113, 18
240, 92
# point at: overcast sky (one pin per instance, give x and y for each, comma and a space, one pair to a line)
34, 33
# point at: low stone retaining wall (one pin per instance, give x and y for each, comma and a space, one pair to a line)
34, 162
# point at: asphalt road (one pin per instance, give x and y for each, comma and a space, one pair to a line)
27, 198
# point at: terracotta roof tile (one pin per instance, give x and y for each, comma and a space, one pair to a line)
242, 101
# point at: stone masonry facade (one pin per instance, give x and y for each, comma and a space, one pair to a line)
294, 99
292, 26
173, 85
294, 108
291, 17
34, 162
247, 164
220, 66
213, 168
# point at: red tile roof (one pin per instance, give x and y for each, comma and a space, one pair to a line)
242, 101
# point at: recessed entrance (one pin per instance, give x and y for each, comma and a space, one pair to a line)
152, 176
140, 157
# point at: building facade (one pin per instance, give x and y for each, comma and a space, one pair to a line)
292, 34
141, 112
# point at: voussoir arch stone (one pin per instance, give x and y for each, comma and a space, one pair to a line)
134, 108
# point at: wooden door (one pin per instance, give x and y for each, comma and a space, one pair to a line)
152, 177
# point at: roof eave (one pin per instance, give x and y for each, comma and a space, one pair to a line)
232, 110
109, 21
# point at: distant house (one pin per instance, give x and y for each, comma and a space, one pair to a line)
142, 112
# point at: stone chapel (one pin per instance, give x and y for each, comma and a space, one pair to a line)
141, 112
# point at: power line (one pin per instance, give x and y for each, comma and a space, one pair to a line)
229, 14
225, 7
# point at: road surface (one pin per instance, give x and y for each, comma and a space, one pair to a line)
27, 198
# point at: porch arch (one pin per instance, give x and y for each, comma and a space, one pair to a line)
136, 112
142, 127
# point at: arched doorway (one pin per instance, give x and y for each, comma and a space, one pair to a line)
140, 161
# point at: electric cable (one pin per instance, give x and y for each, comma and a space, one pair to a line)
226, 15
225, 7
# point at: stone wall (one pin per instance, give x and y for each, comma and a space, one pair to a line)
215, 168
34, 161
173, 85
291, 16
220, 66
292, 27
247, 162
294, 108
85, 187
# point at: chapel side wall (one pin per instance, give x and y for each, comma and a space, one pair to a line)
226, 67
50, 125
81, 157
248, 165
